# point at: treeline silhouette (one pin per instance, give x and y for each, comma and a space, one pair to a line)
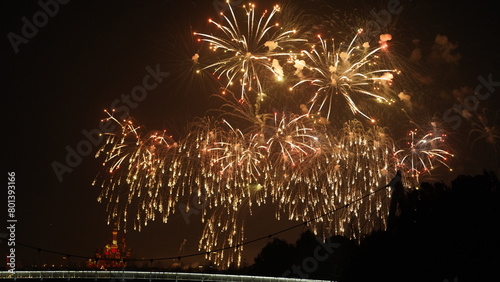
435, 233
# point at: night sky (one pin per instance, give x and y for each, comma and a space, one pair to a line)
90, 52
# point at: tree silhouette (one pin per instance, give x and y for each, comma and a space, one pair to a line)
274, 259
437, 233
444, 233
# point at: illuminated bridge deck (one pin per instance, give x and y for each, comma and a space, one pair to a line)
73, 275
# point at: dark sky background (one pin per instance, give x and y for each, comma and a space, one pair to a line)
91, 52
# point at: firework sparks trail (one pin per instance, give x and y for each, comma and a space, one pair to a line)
421, 155
291, 140
484, 129
348, 70
139, 161
249, 51
351, 165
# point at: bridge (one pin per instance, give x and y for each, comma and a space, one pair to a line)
99, 275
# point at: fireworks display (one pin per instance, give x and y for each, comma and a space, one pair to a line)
250, 50
422, 155
306, 163
349, 71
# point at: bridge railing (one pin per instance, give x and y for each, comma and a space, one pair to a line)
139, 275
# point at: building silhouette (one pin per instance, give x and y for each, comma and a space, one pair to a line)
113, 255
